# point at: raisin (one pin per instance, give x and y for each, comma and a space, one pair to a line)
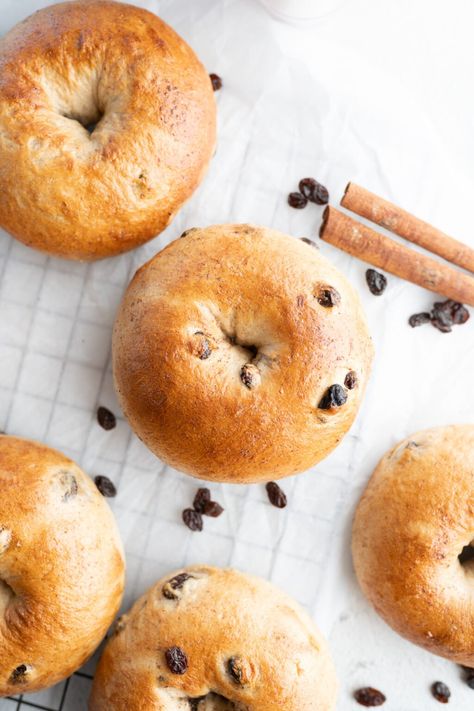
314, 191
335, 396
174, 584
419, 319
188, 231
69, 483
204, 349
309, 241
469, 676
176, 660
351, 380
459, 313
441, 692
105, 418
369, 696
201, 499
250, 375
119, 626
192, 519
297, 200
276, 495
18, 675
328, 297
376, 281
216, 81
213, 509
447, 313
105, 486
239, 670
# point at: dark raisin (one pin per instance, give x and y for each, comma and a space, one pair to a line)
250, 375
176, 660
204, 349
469, 676
18, 675
419, 319
459, 313
201, 499
376, 281
213, 509
105, 486
328, 297
240, 670
192, 519
105, 418
188, 231
297, 200
447, 313
216, 81
174, 584
441, 692
335, 396
314, 191
369, 697
276, 495
351, 380
309, 241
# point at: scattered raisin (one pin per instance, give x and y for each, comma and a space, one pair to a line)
441, 692
250, 375
459, 313
213, 509
200, 500
328, 297
240, 670
335, 396
419, 319
176, 660
192, 519
105, 418
105, 486
376, 281
351, 380
309, 241
446, 313
297, 200
174, 584
369, 697
276, 495
314, 191
469, 676
216, 81
18, 675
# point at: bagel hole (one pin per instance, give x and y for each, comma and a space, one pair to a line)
466, 556
213, 702
90, 123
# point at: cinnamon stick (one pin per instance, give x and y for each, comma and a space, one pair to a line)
381, 251
386, 214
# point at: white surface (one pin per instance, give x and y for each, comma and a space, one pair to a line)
379, 92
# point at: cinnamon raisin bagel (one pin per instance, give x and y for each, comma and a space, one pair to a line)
412, 539
61, 566
240, 354
107, 124
207, 639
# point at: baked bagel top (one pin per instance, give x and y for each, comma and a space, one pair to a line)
240, 354
61, 566
88, 195
414, 520
208, 639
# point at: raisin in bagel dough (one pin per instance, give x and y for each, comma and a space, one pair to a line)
61, 566
247, 647
83, 195
413, 521
224, 349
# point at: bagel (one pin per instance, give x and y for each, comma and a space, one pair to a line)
84, 192
240, 354
208, 639
61, 567
413, 522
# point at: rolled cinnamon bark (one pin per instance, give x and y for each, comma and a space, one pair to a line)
386, 214
381, 251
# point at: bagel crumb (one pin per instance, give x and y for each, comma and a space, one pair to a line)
440, 692
176, 660
368, 696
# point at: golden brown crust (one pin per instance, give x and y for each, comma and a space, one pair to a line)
186, 328
411, 524
61, 566
85, 196
215, 616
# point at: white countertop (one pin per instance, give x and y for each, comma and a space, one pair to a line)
380, 93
